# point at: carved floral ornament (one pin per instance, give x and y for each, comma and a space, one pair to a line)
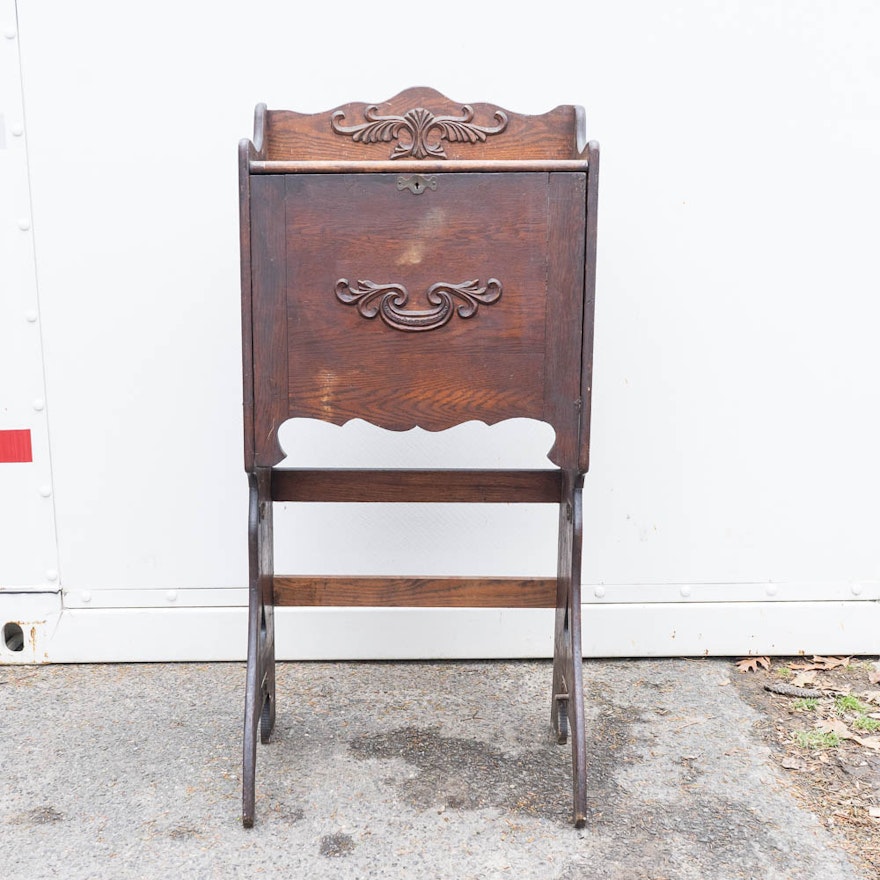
388, 300
419, 133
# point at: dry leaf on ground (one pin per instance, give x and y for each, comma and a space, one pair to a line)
752, 664
834, 725
805, 678
822, 663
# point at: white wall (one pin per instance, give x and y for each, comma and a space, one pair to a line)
736, 402
28, 552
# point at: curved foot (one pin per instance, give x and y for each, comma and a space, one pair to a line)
249, 762
578, 756
567, 711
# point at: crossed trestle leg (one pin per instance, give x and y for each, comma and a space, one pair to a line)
567, 705
259, 710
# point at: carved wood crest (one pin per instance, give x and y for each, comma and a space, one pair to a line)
419, 133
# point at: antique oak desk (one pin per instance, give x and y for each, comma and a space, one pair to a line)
417, 263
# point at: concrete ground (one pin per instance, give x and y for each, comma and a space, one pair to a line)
440, 771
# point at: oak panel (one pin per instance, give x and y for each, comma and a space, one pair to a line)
416, 592
393, 485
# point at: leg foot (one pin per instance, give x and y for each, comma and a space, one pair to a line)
259, 711
249, 761
567, 711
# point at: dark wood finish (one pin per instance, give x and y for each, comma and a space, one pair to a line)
589, 303
245, 149
417, 262
269, 284
563, 339
519, 356
312, 136
416, 592
487, 487
260, 690
411, 166
567, 704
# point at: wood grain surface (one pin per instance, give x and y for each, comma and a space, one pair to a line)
416, 592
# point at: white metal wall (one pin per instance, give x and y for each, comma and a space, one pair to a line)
29, 569
733, 501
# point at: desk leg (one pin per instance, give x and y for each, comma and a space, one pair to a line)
567, 707
259, 709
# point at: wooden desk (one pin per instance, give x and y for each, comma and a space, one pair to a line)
417, 263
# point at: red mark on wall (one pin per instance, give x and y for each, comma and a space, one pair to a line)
15, 446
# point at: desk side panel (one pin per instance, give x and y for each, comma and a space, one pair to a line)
592, 208
563, 395
269, 271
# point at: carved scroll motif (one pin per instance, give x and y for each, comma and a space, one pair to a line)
388, 300
414, 130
